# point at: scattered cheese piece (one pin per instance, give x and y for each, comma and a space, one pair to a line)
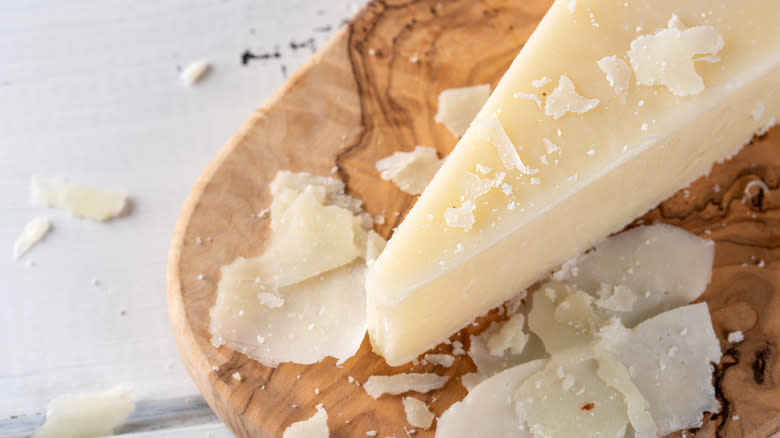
736, 337
565, 99
667, 57
78, 199
458, 106
315, 427
618, 73
487, 410
562, 317
303, 298
633, 259
87, 415
33, 232
442, 360
529, 96
492, 131
194, 72
410, 171
673, 353
417, 413
541, 82
510, 336
588, 407
375, 386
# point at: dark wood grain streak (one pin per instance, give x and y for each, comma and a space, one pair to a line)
348, 107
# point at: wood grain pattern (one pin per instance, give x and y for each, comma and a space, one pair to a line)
359, 99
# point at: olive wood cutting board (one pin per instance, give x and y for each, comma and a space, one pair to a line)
373, 90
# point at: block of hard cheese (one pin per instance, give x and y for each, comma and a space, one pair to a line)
608, 109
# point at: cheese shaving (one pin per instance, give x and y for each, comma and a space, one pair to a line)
565, 99
314, 427
492, 131
84, 415
78, 199
618, 73
417, 413
33, 232
459, 106
410, 171
376, 386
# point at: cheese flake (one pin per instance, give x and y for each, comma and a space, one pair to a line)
396, 384
618, 74
510, 336
33, 232
195, 72
410, 171
314, 427
565, 99
667, 57
87, 414
492, 131
442, 360
459, 106
78, 199
417, 413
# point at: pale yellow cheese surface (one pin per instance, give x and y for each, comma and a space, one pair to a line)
588, 168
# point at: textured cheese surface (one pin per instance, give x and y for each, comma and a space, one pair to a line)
33, 232
488, 409
458, 106
613, 162
410, 171
315, 427
78, 199
87, 415
376, 386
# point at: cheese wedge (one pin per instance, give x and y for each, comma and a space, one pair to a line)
590, 154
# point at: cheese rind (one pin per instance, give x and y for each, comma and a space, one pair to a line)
608, 170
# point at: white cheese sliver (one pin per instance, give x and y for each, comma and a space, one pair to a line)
633, 259
195, 72
489, 365
78, 199
87, 415
375, 386
511, 336
491, 131
458, 106
673, 353
417, 413
735, 337
410, 171
618, 73
315, 427
33, 232
488, 409
565, 99
442, 360
617, 376
667, 57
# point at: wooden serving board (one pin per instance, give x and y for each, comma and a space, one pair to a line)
359, 99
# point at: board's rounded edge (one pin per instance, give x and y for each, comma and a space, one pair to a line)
190, 347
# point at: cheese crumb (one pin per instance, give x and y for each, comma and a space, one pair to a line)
236, 376
410, 171
565, 99
529, 96
33, 232
376, 386
618, 73
78, 199
315, 427
270, 300
538, 83
417, 413
195, 72
459, 106
736, 337
510, 336
667, 57
442, 360
550, 146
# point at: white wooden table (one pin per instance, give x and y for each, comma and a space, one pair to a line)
90, 90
